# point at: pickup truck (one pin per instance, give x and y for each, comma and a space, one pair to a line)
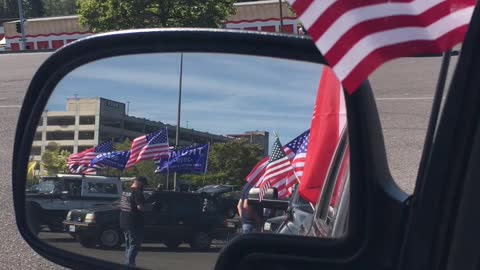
49, 202
171, 218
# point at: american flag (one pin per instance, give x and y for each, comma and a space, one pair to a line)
291, 150
356, 37
147, 147
79, 162
298, 164
277, 169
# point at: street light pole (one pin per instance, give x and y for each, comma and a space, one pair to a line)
177, 135
20, 15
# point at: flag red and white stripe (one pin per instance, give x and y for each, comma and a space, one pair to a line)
294, 151
79, 162
277, 170
82, 157
148, 147
357, 36
258, 171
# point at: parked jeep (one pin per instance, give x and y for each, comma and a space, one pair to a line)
171, 218
49, 202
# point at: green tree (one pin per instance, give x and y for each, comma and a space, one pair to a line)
228, 163
8, 10
107, 15
59, 7
125, 146
33, 8
55, 160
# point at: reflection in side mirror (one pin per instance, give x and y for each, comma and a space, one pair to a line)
112, 121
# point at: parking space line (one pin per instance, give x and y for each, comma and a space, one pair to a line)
404, 98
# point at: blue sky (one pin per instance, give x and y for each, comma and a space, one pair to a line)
221, 93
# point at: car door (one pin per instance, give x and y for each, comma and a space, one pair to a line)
157, 221
72, 198
184, 215
98, 192
54, 199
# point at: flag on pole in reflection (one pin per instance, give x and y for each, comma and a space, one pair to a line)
116, 159
79, 162
148, 147
192, 159
277, 170
295, 150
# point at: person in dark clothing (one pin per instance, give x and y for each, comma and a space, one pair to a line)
250, 214
132, 220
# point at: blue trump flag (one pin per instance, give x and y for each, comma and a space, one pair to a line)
193, 159
117, 159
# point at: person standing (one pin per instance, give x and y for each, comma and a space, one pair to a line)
132, 219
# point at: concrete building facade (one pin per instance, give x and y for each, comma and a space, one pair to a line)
88, 122
259, 138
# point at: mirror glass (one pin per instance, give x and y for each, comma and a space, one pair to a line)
172, 155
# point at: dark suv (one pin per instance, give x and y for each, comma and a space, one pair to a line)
171, 218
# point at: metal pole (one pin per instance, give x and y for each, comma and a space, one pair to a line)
178, 115
168, 178
432, 125
20, 14
128, 107
281, 15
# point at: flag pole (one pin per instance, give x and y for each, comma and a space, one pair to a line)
178, 115
168, 171
206, 165
437, 102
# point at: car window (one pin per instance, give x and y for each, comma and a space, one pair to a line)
73, 186
102, 188
46, 186
302, 204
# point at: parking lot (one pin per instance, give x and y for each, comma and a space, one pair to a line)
151, 256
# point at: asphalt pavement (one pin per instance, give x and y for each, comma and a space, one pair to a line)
152, 256
404, 91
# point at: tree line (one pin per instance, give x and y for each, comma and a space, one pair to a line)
228, 163
108, 15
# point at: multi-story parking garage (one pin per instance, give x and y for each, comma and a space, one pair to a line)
88, 122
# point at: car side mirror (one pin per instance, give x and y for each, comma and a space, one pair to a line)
228, 78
